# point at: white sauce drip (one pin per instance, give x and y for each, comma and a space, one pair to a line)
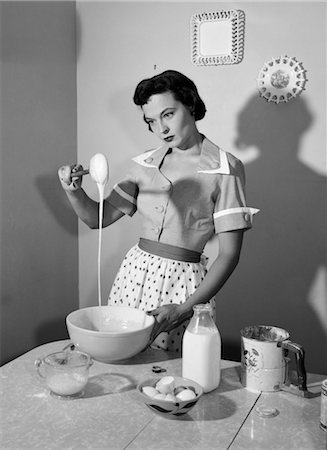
101, 195
99, 171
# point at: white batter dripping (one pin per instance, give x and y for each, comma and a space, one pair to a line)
99, 172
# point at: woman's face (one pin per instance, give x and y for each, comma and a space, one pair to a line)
170, 120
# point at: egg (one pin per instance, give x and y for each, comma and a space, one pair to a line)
166, 385
179, 389
160, 396
171, 398
165, 389
186, 394
150, 391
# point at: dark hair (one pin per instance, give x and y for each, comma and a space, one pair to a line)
183, 89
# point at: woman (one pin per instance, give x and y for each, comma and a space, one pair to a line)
186, 190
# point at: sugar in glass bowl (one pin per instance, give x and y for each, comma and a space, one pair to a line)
65, 373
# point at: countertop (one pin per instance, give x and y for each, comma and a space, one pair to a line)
111, 414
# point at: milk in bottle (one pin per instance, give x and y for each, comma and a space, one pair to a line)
201, 349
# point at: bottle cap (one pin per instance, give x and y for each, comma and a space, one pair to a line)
202, 307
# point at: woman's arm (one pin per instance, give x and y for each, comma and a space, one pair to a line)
171, 316
86, 208
230, 245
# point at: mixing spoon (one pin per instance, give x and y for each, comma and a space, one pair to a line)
99, 169
80, 173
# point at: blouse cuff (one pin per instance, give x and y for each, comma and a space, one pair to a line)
123, 201
234, 218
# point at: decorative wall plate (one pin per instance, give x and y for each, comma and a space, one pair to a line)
281, 79
217, 37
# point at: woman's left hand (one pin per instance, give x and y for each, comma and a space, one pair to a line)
168, 317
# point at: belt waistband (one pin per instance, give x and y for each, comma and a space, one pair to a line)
169, 251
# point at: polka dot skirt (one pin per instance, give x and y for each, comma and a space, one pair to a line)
147, 281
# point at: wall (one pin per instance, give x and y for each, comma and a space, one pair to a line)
281, 277
39, 242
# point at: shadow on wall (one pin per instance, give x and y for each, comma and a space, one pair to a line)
121, 106
55, 200
287, 246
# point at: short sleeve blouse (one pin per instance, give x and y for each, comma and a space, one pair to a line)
189, 211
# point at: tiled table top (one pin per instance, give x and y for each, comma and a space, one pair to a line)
112, 416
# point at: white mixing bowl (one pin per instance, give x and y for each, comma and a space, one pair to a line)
109, 333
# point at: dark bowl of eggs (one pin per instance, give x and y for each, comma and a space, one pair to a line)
170, 396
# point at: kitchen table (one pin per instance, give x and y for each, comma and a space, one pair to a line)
111, 414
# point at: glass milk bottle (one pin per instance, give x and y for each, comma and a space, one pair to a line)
201, 349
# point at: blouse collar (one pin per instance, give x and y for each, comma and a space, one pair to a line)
213, 159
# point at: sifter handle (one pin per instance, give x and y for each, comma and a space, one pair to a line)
298, 350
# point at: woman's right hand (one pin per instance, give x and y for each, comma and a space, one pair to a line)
66, 176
